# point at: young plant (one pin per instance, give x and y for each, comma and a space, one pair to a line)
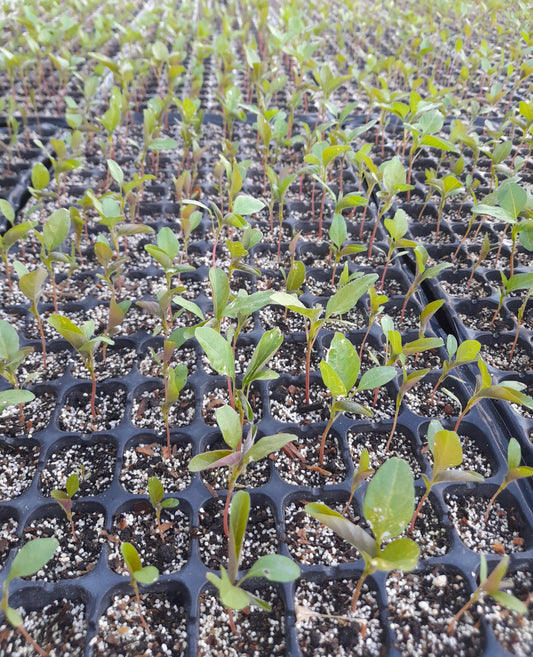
375, 303
509, 391
447, 452
409, 381
11, 237
340, 371
175, 379
138, 575
388, 506
397, 228
273, 567
426, 315
279, 186
84, 341
315, 318
483, 253
422, 273
512, 284
159, 502
64, 499
11, 357
515, 471
165, 254
491, 585
222, 359
446, 187
362, 472
467, 352
31, 285
31, 557
338, 235
240, 453
55, 232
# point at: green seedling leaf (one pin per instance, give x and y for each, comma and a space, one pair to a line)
7, 210
231, 596
245, 205
32, 556
401, 554
229, 423
146, 575
345, 299
343, 359
14, 397
275, 568
56, 229
9, 341
268, 445
344, 528
155, 490
214, 459
220, 288
389, 500
218, 351
31, 283
268, 345
239, 512
376, 377
40, 177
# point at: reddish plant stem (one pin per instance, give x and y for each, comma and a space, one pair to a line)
32, 642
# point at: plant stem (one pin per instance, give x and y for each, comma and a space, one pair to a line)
491, 502
460, 613
358, 588
417, 510
393, 426
231, 621
324, 436
138, 598
31, 641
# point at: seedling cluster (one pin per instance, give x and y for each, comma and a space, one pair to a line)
300, 196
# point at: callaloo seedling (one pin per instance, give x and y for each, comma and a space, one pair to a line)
315, 318
64, 499
388, 506
10, 237
159, 502
491, 585
138, 575
510, 391
82, 338
362, 472
11, 357
515, 471
31, 285
340, 371
409, 381
467, 352
240, 453
397, 228
55, 232
274, 567
422, 273
447, 452
29, 559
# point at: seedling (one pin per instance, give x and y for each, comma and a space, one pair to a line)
84, 341
340, 371
338, 235
515, 471
447, 187
11, 357
273, 567
397, 228
175, 379
240, 453
511, 284
426, 315
222, 359
31, 285
11, 237
376, 302
64, 499
138, 575
510, 391
159, 502
409, 381
165, 254
388, 507
362, 472
483, 253
467, 352
491, 585
29, 560
55, 232
422, 273
279, 185
447, 452
340, 303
